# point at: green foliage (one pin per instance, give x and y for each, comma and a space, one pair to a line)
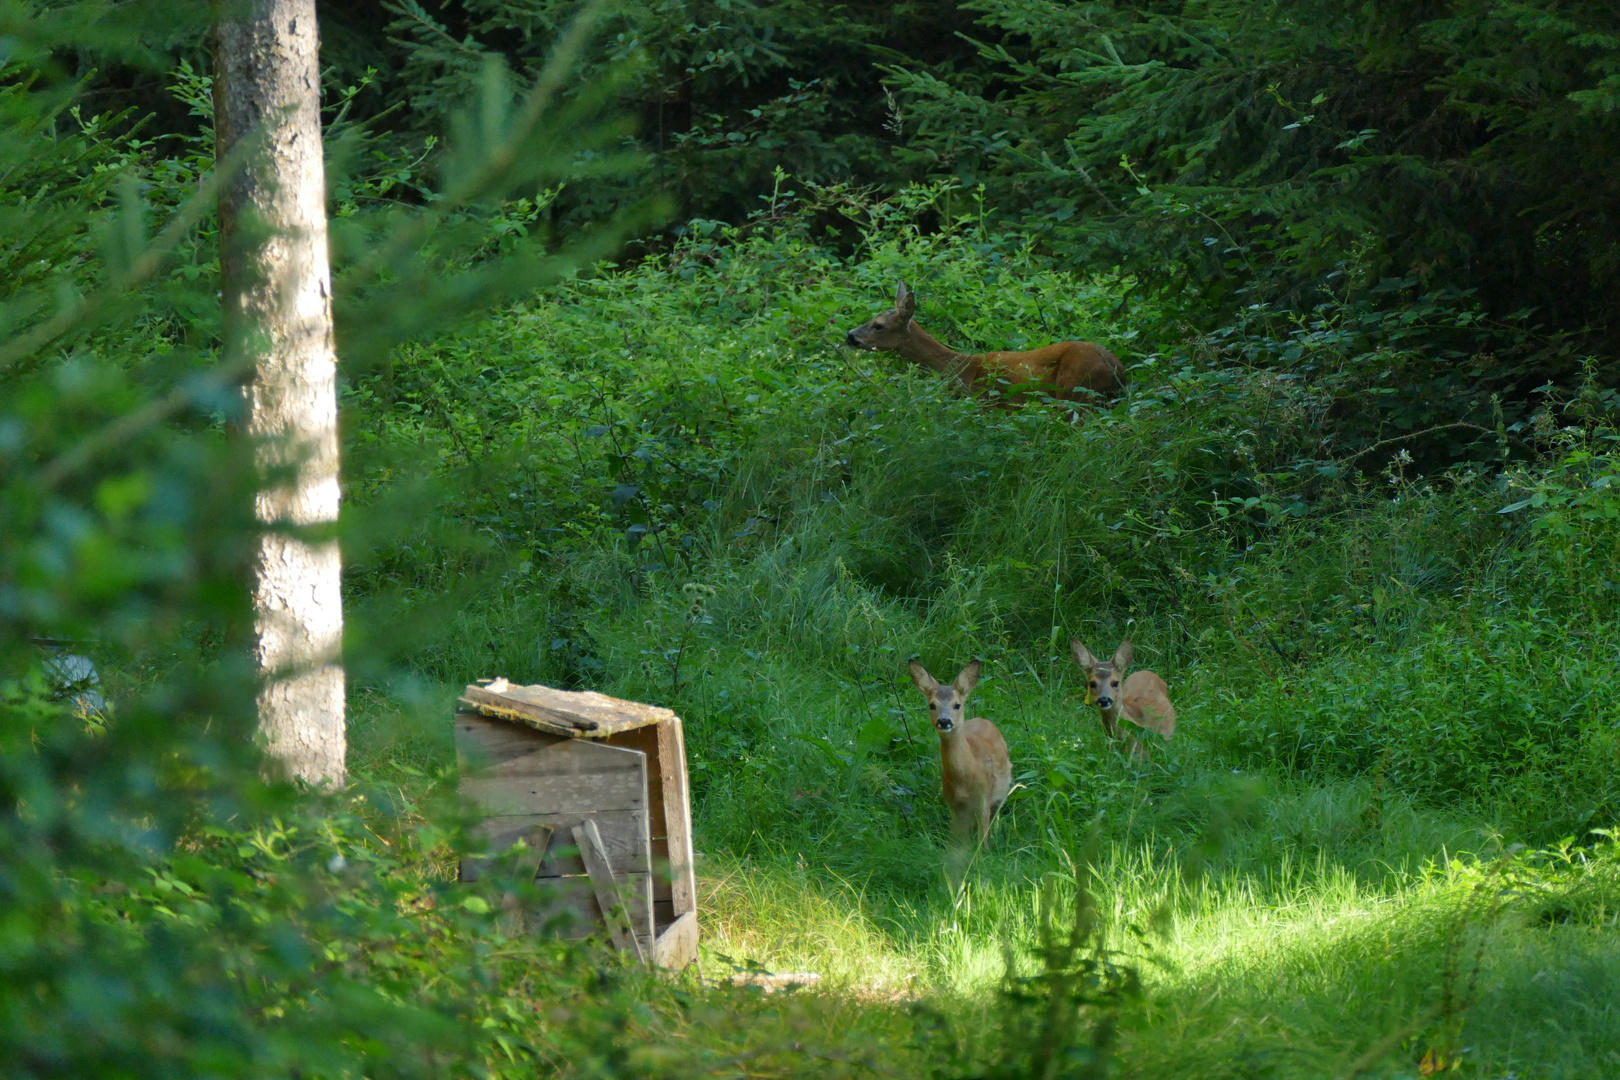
167, 912
1449, 157
1420, 193
722, 93
721, 440
669, 480
1293, 152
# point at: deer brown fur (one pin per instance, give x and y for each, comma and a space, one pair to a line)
975, 771
1067, 369
1142, 698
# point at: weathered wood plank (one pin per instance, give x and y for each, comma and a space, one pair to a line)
567, 758
563, 711
505, 796
676, 945
524, 863
566, 777
535, 841
648, 740
568, 907
513, 711
623, 835
482, 743
677, 814
614, 911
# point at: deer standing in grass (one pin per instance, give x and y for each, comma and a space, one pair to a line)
974, 767
1143, 699
1064, 370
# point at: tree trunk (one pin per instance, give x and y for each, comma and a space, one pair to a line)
278, 308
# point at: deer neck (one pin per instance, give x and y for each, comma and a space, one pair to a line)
920, 347
954, 750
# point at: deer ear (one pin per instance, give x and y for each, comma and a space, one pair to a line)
919, 675
1082, 655
967, 679
1122, 656
905, 301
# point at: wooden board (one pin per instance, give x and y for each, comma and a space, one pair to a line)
536, 839
533, 756
678, 803
669, 823
516, 712
623, 835
569, 776
647, 740
677, 944
482, 743
561, 712
568, 907
564, 793
615, 911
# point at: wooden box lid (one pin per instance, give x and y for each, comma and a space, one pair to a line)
570, 713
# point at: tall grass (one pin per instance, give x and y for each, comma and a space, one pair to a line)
688, 492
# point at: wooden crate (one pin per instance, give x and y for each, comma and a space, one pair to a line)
596, 788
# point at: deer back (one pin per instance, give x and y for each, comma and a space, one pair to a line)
1145, 699
1062, 368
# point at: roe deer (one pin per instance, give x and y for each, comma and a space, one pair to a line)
974, 768
1061, 369
1144, 700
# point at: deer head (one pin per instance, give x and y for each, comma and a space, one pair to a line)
947, 704
888, 331
1102, 680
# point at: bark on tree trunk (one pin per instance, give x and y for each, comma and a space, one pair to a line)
277, 304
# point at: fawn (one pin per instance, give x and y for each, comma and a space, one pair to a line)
1144, 699
973, 761
1065, 369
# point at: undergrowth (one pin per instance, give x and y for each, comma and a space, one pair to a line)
687, 491
1376, 846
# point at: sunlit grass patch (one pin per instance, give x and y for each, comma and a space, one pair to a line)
1307, 967
789, 920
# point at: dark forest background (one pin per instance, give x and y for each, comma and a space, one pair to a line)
1442, 174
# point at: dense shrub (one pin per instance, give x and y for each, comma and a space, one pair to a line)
843, 511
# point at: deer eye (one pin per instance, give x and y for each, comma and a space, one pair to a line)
1114, 683
1094, 684
933, 705
958, 705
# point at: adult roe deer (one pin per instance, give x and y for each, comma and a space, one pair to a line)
1143, 699
975, 771
1064, 370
